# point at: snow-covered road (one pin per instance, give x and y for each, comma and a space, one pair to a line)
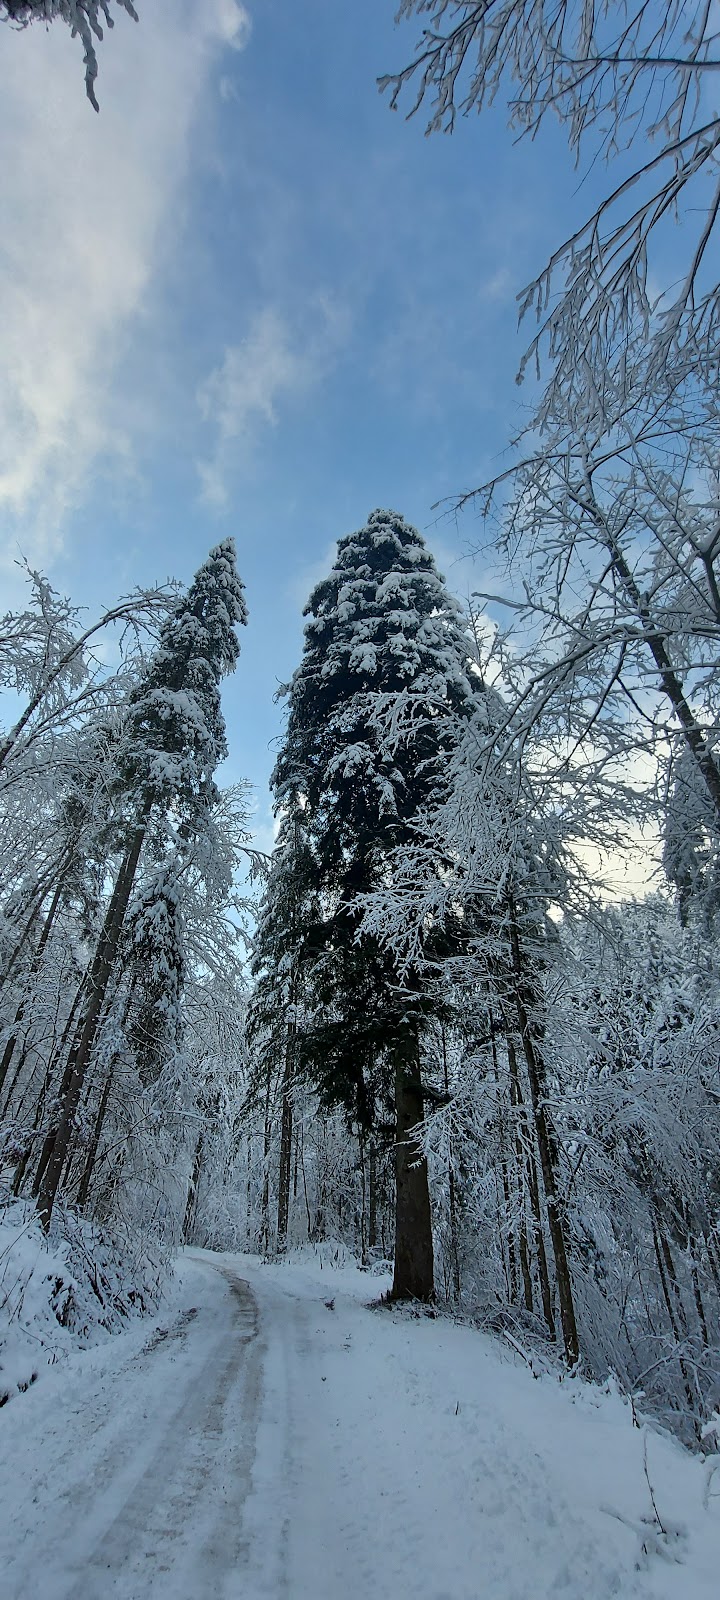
264, 1444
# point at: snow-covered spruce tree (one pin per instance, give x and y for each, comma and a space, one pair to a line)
175, 738
381, 626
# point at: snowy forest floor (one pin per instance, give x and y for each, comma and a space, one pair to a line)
254, 1442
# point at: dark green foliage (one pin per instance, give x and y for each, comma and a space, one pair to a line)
176, 733
385, 659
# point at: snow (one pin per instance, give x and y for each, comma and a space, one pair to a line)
363, 657
57, 1296
277, 1437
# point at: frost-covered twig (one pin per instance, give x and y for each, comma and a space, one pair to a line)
85, 18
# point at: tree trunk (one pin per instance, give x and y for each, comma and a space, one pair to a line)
519, 1185
505, 1228
25, 1159
372, 1198
248, 1194
525, 1267
364, 1257
534, 1193
305, 1187
265, 1203
65, 1081
14, 1081
9, 1050
713, 1261
94, 1146
98, 979
91, 1157
452, 1198
286, 1132
33, 906
51, 1135
193, 1186
547, 1146
413, 1279
673, 1302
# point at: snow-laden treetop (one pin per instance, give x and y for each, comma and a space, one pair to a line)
383, 614
178, 730
382, 632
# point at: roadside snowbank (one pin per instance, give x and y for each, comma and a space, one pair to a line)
61, 1295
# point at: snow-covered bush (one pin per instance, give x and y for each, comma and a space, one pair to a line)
60, 1295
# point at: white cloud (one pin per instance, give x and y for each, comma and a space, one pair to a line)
87, 202
500, 286
243, 392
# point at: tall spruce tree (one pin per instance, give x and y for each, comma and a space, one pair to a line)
382, 629
175, 740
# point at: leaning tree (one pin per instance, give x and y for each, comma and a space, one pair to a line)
164, 793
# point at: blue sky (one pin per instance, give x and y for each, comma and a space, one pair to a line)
247, 298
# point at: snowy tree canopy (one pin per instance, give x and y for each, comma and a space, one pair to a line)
383, 632
613, 75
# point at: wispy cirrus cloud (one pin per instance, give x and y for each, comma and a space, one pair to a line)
245, 391
87, 204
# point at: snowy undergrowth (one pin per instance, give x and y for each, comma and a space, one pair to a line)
61, 1295
332, 1254
330, 1264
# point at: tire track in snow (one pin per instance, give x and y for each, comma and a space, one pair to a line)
181, 1525
158, 1510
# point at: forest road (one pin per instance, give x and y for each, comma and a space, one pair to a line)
141, 1486
278, 1438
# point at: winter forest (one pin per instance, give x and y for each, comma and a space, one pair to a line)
460, 1028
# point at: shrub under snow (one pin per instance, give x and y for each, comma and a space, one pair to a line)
60, 1295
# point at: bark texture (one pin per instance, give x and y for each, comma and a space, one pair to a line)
81, 1051
414, 1267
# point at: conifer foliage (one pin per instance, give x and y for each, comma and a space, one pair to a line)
382, 630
